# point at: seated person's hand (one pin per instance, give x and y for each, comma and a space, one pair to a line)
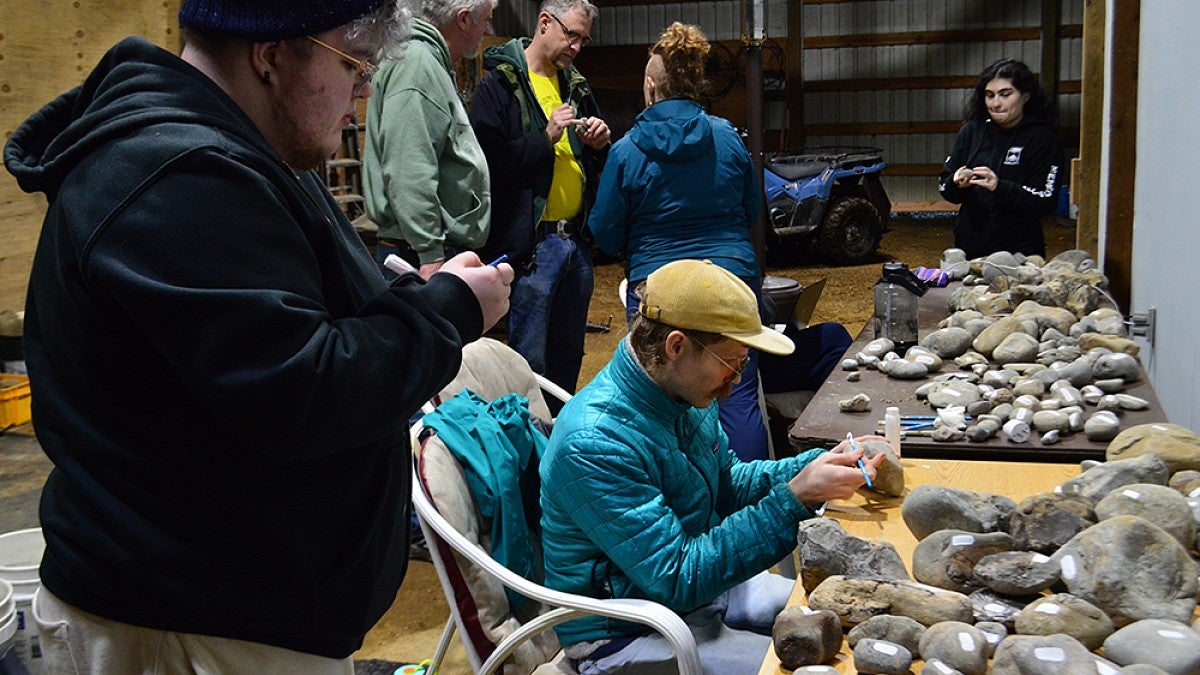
835, 474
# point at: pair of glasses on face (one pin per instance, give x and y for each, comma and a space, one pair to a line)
742, 364
365, 68
572, 36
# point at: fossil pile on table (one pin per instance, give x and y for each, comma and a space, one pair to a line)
1032, 350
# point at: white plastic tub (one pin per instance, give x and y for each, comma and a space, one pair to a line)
21, 555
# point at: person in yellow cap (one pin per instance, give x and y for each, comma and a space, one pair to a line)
643, 498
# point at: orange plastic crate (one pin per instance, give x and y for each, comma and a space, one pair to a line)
14, 400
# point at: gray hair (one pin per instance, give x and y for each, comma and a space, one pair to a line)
441, 12
383, 32
560, 7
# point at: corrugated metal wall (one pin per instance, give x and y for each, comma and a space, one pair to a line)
639, 25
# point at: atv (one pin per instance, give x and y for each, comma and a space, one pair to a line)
829, 198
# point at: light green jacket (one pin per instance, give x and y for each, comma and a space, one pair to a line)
425, 178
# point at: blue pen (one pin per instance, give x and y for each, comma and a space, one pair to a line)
499, 260
861, 466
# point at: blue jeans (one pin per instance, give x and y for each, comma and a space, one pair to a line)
548, 310
740, 414
732, 634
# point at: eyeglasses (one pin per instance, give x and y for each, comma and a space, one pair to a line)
742, 363
365, 68
572, 36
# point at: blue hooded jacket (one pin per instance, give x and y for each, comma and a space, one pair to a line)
679, 185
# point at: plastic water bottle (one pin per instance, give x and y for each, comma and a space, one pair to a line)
891, 428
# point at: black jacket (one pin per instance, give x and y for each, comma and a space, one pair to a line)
220, 374
1028, 161
511, 128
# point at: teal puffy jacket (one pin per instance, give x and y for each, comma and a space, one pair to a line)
642, 498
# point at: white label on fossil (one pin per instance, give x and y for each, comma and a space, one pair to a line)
885, 648
966, 642
962, 540
941, 667
1132, 494
1048, 608
995, 608
1068, 567
1158, 427
1051, 654
1104, 669
1041, 559
1172, 634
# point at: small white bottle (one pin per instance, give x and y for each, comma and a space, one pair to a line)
891, 428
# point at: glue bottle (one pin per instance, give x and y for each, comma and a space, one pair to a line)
891, 428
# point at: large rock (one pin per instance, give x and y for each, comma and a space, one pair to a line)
1130, 569
1158, 504
1169, 645
804, 638
889, 475
879, 657
993, 335
1098, 481
856, 600
949, 342
953, 393
1058, 318
826, 549
1066, 614
1016, 348
961, 646
1178, 447
1046, 521
947, 558
1017, 572
1112, 343
1116, 365
929, 508
900, 630
1042, 655
988, 605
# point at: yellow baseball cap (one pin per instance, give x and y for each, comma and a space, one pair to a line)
698, 295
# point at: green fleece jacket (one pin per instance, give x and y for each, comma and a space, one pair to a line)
425, 178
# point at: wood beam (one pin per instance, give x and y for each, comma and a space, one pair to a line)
1122, 133
794, 84
926, 37
1085, 188
1051, 9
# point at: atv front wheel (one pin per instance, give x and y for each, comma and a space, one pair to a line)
850, 233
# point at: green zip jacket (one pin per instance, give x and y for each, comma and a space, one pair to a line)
425, 179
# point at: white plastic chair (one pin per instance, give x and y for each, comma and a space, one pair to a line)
471, 578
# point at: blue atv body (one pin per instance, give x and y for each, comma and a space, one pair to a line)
827, 198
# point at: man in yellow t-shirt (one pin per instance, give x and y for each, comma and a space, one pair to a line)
545, 143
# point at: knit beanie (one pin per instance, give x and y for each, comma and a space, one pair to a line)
270, 20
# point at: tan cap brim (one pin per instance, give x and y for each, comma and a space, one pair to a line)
766, 339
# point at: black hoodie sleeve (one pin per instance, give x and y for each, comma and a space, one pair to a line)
954, 161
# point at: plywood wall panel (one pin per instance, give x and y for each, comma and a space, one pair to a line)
47, 48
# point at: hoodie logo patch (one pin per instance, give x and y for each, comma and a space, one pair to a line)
1013, 157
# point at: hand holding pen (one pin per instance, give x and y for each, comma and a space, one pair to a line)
834, 475
861, 465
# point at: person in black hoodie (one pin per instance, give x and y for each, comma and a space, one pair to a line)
220, 373
1005, 166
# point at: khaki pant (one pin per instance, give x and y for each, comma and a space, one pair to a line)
74, 641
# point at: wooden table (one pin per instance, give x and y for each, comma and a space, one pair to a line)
877, 518
823, 424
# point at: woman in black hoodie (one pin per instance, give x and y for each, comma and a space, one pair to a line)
1005, 165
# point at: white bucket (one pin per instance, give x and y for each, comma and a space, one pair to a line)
25, 642
21, 555
8, 630
6, 601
